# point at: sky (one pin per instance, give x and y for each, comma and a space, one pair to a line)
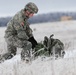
10, 7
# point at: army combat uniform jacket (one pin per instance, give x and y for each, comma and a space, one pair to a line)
18, 30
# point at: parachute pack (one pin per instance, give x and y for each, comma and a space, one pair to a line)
50, 47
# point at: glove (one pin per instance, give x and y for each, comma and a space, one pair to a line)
33, 41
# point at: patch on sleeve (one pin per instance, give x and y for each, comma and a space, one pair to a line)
17, 27
22, 23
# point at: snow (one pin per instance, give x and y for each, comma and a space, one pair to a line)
65, 31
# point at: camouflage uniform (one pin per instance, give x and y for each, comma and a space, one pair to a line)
17, 34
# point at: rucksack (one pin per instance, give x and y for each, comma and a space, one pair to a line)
54, 46
50, 47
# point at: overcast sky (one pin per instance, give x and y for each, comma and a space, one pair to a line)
10, 7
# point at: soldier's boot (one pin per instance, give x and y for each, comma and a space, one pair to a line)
25, 56
11, 52
5, 57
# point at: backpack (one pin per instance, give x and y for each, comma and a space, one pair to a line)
50, 47
54, 46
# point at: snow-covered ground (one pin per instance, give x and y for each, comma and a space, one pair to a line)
65, 31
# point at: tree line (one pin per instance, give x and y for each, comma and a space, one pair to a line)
41, 18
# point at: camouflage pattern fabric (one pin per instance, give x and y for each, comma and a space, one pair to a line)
18, 26
31, 7
17, 33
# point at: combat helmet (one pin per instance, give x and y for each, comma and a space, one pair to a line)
31, 7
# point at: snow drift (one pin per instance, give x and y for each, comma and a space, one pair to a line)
65, 31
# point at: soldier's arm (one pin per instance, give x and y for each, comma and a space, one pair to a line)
21, 34
18, 20
29, 31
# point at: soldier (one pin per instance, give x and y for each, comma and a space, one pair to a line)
19, 34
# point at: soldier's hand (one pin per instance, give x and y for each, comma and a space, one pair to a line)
33, 41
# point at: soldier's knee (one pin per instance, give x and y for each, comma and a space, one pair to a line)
28, 46
7, 56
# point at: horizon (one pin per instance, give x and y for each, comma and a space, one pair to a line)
5, 15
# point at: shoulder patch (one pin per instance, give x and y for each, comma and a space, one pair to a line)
22, 23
